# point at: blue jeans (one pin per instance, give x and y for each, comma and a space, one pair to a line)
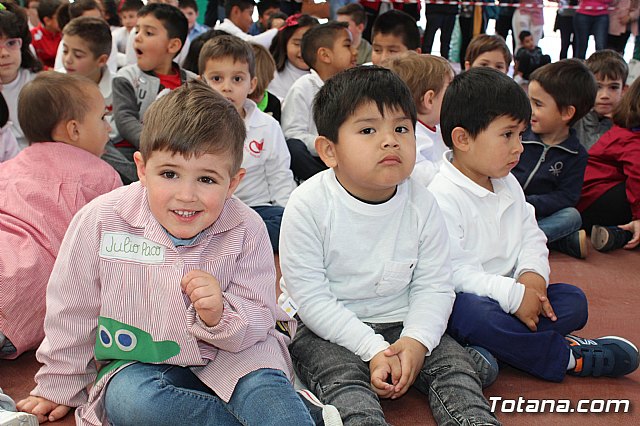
586, 25
340, 378
161, 394
544, 353
562, 223
272, 217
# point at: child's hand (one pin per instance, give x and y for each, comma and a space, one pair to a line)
635, 228
43, 409
411, 354
529, 309
204, 292
382, 368
536, 282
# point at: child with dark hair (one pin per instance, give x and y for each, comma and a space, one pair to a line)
488, 51
21, 65
47, 35
285, 50
528, 58
327, 50
8, 145
611, 72
393, 32
354, 15
128, 13
191, 60
500, 260
266, 8
238, 20
551, 168
610, 200
190, 10
41, 189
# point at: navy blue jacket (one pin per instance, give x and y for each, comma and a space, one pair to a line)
551, 175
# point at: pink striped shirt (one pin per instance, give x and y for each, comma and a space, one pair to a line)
117, 262
40, 191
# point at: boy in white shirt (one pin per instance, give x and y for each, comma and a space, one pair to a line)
499, 255
228, 65
365, 255
238, 21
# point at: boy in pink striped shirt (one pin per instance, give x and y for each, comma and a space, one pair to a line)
168, 284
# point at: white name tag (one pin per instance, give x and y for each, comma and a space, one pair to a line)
117, 245
290, 307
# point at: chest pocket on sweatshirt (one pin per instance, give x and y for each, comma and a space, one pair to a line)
395, 277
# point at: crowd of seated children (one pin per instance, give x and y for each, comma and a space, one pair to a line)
128, 13
190, 62
190, 10
610, 200
611, 71
206, 345
393, 32
353, 14
427, 77
47, 35
327, 50
364, 254
286, 52
20, 66
528, 58
162, 31
238, 20
499, 257
42, 188
551, 168
488, 51
227, 64
265, 71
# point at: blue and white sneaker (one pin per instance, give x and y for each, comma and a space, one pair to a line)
609, 356
486, 365
322, 414
9, 416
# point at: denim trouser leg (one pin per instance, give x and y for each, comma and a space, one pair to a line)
272, 217
562, 223
342, 379
600, 30
160, 394
581, 30
544, 353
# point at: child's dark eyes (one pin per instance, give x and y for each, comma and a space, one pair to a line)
237, 79
168, 175
207, 180
368, 131
402, 129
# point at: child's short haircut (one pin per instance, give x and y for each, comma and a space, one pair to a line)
185, 4
227, 46
627, 113
131, 5
44, 102
265, 69
323, 35
242, 5
343, 93
608, 64
484, 43
202, 121
94, 31
523, 34
355, 11
570, 83
48, 8
421, 73
475, 98
171, 17
78, 7
399, 24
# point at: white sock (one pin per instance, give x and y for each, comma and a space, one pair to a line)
572, 361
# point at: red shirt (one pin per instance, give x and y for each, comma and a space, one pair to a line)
46, 45
170, 81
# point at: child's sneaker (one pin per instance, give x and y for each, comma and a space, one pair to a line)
607, 238
9, 416
609, 356
486, 364
574, 244
322, 414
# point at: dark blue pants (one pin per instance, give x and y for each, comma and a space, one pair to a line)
544, 353
272, 217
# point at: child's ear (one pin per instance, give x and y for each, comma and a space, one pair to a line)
254, 83
625, 86
174, 46
467, 65
324, 55
460, 138
140, 167
326, 151
427, 101
360, 27
73, 130
235, 181
567, 113
419, 50
102, 60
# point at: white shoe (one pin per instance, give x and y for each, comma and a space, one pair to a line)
330, 414
12, 418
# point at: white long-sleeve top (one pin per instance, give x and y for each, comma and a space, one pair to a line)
494, 235
10, 91
297, 115
346, 262
429, 150
284, 79
269, 180
264, 38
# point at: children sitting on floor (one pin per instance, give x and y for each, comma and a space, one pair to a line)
528, 58
204, 340
393, 32
327, 50
610, 200
488, 51
40, 191
500, 260
364, 254
228, 65
551, 168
